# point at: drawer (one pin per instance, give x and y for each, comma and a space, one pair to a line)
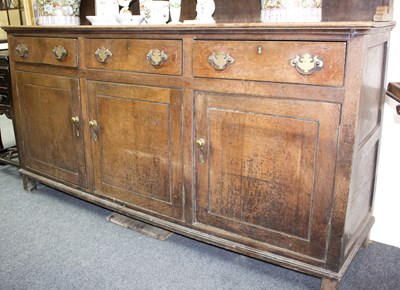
135, 55
54, 51
317, 63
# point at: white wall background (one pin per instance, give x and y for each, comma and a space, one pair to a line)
387, 199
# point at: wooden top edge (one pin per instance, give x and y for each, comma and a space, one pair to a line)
168, 28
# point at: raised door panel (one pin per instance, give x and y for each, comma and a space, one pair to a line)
137, 144
52, 144
265, 169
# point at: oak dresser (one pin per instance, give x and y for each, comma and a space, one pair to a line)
259, 138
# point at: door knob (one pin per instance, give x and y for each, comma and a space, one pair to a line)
200, 143
75, 126
92, 123
94, 129
75, 119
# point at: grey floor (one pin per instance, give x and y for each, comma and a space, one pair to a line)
50, 240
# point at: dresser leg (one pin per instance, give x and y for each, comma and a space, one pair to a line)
366, 242
329, 284
29, 183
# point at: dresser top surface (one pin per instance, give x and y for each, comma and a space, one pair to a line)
321, 27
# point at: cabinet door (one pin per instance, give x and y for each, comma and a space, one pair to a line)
137, 142
51, 143
265, 170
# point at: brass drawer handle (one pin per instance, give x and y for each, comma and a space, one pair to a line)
220, 60
156, 57
22, 50
306, 64
103, 54
60, 52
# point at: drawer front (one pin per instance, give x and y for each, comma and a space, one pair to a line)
135, 55
54, 51
317, 63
